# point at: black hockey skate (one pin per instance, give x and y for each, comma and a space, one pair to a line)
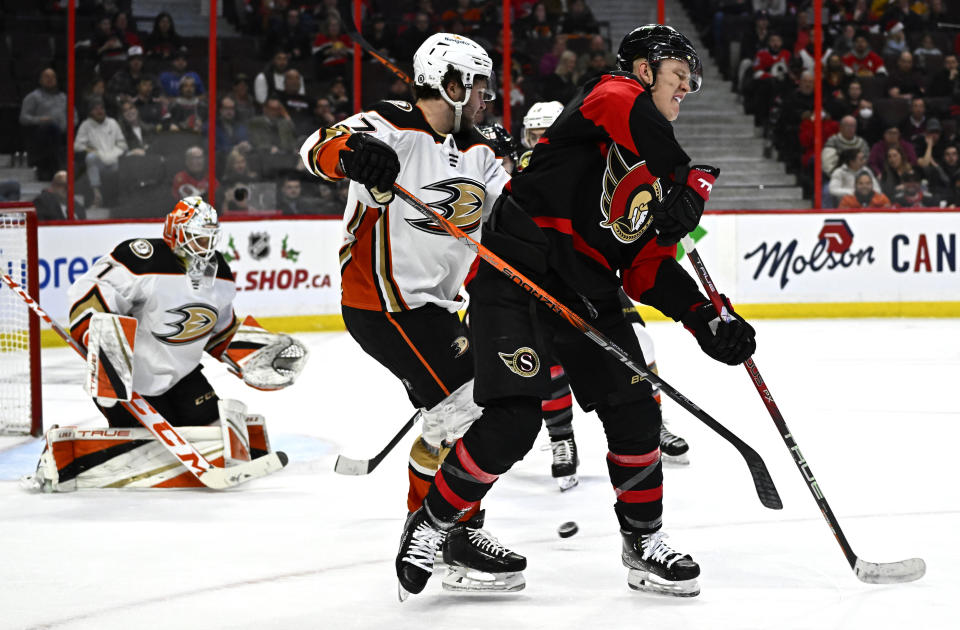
565, 462
673, 448
477, 562
422, 538
655, 567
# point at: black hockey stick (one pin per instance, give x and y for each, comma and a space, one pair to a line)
346, 19
762, 481
348, 466
870, 572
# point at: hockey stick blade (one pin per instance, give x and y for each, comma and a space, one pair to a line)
349, 466
762, 481
890, 572
223, 478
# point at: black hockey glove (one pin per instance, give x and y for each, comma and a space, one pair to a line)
680, 211
731, 342
372, 163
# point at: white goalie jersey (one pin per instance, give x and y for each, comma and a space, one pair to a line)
394, 258
142, 278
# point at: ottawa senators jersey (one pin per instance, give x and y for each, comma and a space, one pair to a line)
142, 278
589, 185
393, 258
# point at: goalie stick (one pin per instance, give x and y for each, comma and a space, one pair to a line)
348, 466
766, 490
869, 572
205, 472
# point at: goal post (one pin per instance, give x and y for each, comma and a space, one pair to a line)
21, 410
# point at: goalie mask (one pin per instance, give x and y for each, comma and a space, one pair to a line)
539, 116
192, 231
444, 51
656, 42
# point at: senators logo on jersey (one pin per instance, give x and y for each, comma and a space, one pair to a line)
195, 321
463, 206
627, 194
523, 361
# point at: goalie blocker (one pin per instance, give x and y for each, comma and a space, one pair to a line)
112, 457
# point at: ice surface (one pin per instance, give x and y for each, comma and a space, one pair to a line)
871, 403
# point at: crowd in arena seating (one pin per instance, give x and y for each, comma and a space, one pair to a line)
890, 91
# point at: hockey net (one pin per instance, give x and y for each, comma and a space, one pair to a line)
20, 406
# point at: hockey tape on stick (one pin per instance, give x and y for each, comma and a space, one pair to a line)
208, 474
762, 481
870, 572
348, 466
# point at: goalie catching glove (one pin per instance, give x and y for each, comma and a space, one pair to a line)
680, 211
264, 360
729, 339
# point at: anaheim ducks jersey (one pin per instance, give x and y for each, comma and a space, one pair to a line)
589, 184
393, 258
142, 278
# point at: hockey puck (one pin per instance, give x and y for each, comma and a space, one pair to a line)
568, 529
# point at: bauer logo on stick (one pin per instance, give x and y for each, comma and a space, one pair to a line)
524, 362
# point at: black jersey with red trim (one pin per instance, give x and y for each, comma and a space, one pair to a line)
590, 184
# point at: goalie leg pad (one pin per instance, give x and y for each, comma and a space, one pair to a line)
233, 424
110, 343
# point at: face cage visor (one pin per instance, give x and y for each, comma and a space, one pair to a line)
200, 242
489, 93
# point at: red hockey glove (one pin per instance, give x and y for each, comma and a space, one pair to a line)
731, 342
372, 163
681, 209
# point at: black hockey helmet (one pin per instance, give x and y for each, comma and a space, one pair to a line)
656, 42
499, 140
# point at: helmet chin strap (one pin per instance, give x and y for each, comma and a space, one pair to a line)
457, 106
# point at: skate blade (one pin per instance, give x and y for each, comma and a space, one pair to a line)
568, 482
468, 581
650, 583
675, 460
402, 593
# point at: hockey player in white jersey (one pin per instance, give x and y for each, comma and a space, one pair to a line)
402, 274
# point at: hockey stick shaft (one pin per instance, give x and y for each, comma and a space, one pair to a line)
348, 466
766, 490
695, 259
208, 474
346, 19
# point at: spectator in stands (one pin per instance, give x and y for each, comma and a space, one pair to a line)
331, 50
853, 162
290, 198
901, 11
170, 80
51, 204
913, 193
905, 81
598, 45
43, 123
550, 59
273, 136
127, 33
471, 16
340, 99
836, 76
231, 133
538, 25
106, 42
97, 90
381, 35
896, 42
891, 138
124, 83
234, 194
895, 167
797, 106
579, 19
845, 140
192, 180
290, 35
270, 80
187, 110
137, 135
925, 51
596, 66
843, 43
400, 90
163, 41
946, 82
865, 196
409, 41
915, 126
322, 114
562, 84
769, 66
950, 164
152, 109
242, 99
297, 105
862, 61
948, 137
101, 138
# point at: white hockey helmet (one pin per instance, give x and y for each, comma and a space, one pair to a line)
192, 229
439, 53
540, 116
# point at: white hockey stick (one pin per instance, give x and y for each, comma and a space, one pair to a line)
870, 572
208, 474
349, 466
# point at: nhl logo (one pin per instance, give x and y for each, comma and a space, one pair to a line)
523, 362
259, 245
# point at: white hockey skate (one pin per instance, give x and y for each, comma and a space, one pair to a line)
478, 563
673, 448
655, 567
565, 462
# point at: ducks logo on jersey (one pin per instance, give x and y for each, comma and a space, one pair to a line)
463, 205
195, 321
628, 192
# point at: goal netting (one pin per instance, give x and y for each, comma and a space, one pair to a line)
19, 330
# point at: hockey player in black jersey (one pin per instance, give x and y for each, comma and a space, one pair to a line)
607, 195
